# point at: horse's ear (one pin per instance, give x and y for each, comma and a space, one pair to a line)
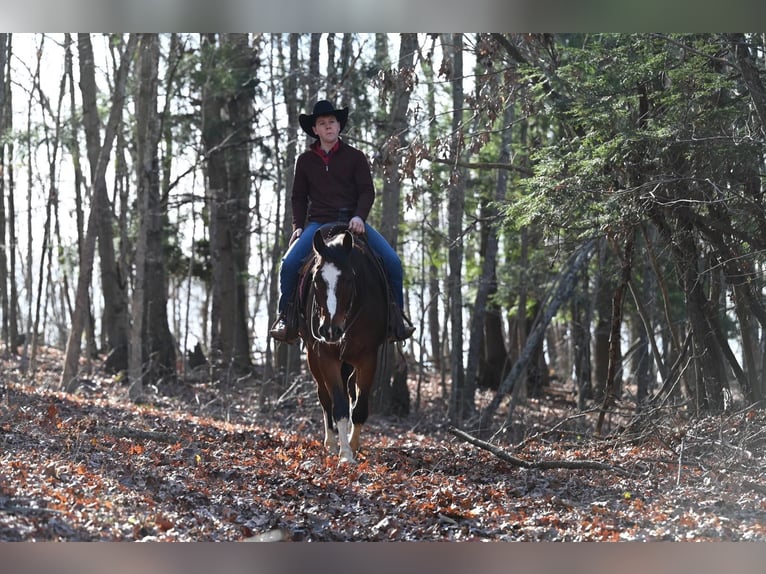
348, 241
319, 244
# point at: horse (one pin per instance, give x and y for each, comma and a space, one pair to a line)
344, 320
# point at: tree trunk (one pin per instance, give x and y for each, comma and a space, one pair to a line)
389, 395
116, 320
671, 338
314, 80
13, 298
432, 239
79, 315
287, 356
152, 348
708, 394
346, 65
29, 271
3, 250
52, 146
566, 284
580, 340
488, 278
331, 78
461, 404
611, 385
602, 307
740, 275
73, 147
227, 148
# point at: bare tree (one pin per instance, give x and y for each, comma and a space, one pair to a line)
433, 244
313, 81
226, 127
391, 395
3, 241
69, 373
13, 300
52, 142
287, 357
152, 350
115, 321
461, 405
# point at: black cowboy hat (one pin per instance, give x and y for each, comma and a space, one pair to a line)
322, 108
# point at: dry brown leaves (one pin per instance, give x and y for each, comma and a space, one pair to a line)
213, 463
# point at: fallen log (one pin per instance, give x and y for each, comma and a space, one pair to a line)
540, 464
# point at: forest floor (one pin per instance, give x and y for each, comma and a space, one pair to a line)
245, 462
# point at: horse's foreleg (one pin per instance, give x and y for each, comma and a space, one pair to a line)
334, 398
363, 379
340, 413
345, 452
330, 438
330, 433
349, 376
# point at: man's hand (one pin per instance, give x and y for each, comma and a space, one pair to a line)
356, 225
296, 234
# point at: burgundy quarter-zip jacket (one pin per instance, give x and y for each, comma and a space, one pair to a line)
331, 187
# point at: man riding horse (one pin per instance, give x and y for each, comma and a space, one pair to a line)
333, 183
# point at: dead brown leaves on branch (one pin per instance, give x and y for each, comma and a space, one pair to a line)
219, 462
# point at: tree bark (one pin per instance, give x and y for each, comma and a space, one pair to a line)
602, 307
152, 349
116, 320
389, 394
709, 360
313, 81
287, 357
3, 243
431, 238
227, 148
461, 405
13, 302
69, 374
582, 314
611, 386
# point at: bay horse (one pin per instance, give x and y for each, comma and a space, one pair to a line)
344, 303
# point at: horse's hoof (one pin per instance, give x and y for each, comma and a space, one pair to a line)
346, 459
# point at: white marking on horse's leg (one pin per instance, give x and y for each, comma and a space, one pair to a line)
330, 440
356, 431
330, 274
346, 455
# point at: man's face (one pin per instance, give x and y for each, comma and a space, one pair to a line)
327, 128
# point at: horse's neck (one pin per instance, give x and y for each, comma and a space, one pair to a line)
374, 266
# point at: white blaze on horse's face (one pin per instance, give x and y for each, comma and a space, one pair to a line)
330, 274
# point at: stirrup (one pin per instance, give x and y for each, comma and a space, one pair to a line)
282, 332
402, 328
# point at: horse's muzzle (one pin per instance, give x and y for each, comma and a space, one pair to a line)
331, 333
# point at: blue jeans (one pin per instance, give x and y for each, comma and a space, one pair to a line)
301, 248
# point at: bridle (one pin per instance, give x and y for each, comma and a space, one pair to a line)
350, 320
